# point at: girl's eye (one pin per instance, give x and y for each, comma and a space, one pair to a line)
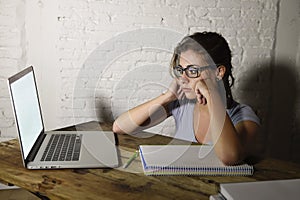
193, 71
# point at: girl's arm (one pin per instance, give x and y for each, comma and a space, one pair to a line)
147, 114
231, 143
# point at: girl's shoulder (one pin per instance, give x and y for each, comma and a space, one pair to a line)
242, 112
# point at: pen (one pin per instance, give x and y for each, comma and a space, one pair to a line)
134, 156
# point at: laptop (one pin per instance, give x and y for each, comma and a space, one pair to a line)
55, 149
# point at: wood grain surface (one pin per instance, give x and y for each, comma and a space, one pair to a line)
129, 183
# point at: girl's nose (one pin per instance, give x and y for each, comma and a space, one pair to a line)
184, 78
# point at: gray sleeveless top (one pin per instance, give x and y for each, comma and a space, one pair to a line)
183, 110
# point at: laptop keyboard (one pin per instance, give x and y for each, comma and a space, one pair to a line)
62, 147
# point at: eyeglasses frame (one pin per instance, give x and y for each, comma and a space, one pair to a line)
196, 67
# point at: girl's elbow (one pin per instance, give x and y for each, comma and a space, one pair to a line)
232, 158
116, 128
229, 161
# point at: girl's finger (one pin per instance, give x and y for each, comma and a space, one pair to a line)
180, 93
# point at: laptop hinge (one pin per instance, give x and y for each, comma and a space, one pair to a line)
34, 150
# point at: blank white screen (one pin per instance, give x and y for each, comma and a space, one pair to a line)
27, 111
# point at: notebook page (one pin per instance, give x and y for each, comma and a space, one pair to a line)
180, 155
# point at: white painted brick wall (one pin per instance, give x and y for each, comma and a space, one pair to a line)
84, 25
11, 56
90, 86
249, 27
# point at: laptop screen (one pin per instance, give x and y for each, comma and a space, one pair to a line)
27, 109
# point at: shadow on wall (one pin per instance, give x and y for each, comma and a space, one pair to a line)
104, 110
274, 93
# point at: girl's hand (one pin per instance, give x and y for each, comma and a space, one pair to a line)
205, 86
175, 91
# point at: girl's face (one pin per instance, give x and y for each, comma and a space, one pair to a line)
187, 84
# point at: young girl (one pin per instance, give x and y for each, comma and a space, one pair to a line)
201, 102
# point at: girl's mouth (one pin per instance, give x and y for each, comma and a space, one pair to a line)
186, 89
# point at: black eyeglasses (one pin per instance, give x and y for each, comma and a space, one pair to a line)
192, 71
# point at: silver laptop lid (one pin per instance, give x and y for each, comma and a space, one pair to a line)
26, 107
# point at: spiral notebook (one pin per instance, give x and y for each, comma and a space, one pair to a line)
187, 160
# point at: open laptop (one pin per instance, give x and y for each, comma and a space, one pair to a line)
54, 149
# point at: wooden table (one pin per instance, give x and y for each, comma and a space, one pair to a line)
128, 183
